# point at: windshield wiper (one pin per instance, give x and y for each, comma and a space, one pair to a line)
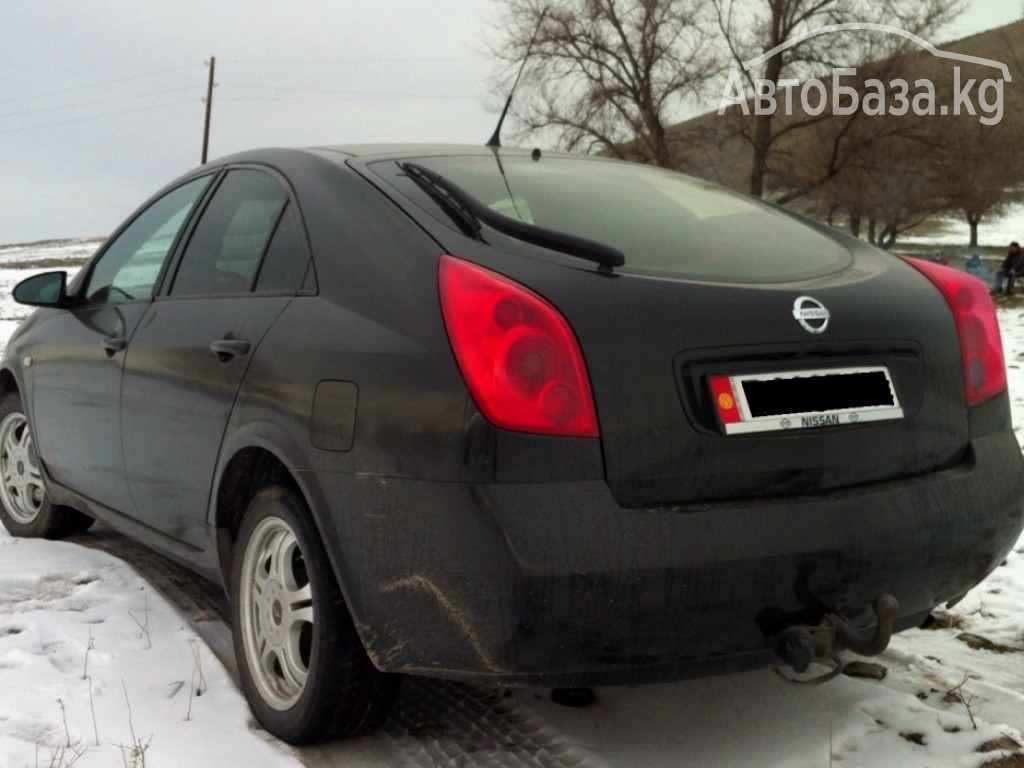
453, 204
470, 212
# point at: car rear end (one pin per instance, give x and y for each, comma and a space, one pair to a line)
752, 423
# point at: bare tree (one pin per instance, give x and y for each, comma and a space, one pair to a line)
914, 166
904, 196
980, 164
979, 168
773, 30
607, 75
888, 187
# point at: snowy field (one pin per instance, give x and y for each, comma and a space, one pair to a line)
994, 231
98, 669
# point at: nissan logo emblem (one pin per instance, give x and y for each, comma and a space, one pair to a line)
811, 314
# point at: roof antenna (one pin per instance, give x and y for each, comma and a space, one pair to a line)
495, 140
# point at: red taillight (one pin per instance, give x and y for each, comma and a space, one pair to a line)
980, 343
518, 355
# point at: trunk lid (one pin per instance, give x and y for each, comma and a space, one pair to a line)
652, 347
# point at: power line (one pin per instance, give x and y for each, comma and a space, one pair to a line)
99, 84
342, 94
351, 97
75, 105
86, 118
370, 60
302, 94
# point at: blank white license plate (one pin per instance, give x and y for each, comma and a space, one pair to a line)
787, 400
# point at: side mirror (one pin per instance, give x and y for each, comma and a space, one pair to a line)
49, 289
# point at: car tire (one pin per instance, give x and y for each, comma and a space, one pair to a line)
25, 507
303, 667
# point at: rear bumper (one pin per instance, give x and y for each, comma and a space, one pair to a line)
556, 584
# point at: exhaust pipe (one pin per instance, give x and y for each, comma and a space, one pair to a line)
800, 646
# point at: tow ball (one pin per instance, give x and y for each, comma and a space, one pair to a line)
799, 646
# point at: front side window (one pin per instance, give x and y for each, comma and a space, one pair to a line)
224, 253
131, 264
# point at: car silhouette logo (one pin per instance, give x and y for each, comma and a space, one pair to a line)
859, 26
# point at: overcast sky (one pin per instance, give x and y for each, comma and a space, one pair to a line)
101, 101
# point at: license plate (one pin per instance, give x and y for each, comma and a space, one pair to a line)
828, 397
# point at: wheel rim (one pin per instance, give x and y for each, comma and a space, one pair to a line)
21, 482
276, 605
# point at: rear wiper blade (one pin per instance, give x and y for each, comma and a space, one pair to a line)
453, 204
468, 208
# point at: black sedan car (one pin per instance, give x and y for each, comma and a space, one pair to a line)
515, 417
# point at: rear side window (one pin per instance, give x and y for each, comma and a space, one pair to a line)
285, 262
664, 223
226, 248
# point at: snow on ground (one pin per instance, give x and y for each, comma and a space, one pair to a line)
95, 666
1000, 231
19, 261
94, 663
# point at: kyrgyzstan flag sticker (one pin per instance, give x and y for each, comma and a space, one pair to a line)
725, 399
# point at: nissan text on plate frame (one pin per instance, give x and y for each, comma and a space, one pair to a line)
512, 417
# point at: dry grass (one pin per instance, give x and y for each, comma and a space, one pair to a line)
979, 643
998, 745
1009, 761
945, 620
45, 263
1015, 301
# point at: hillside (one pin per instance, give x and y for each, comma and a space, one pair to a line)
713, 146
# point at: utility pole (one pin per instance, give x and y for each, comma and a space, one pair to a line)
209, 106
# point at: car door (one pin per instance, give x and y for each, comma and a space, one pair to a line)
77, 374
242, 265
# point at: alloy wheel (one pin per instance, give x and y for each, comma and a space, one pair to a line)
277, 613
21, 481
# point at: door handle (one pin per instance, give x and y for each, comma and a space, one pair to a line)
114, 344
226, 349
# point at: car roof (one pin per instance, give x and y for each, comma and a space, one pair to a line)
375, 151
339, 154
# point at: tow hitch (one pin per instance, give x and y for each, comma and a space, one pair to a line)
799, 646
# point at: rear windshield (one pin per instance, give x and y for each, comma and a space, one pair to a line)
664, 223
